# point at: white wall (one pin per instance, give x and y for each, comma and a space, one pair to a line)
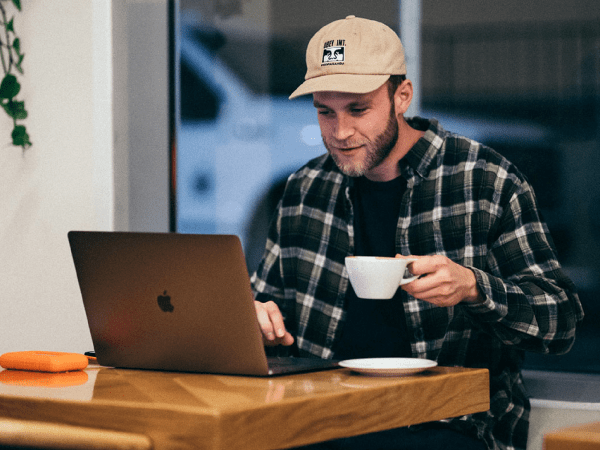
87, 125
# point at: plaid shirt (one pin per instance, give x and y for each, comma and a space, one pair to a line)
464, 201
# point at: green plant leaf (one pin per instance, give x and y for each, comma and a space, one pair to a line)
9, 87
18, 64
20, 137
16, 110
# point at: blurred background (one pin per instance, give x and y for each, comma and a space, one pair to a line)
521, 76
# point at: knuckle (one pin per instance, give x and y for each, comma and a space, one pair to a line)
271, 306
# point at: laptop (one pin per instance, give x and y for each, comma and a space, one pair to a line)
174, 302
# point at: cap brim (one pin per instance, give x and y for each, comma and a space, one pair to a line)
352, 83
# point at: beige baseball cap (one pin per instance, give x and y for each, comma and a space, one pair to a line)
352, 55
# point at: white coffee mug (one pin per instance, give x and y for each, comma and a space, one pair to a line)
376, 277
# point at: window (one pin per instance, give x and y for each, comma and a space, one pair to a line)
529, 90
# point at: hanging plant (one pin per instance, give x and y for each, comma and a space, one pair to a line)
12, 58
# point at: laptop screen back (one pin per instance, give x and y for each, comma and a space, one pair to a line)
169, 301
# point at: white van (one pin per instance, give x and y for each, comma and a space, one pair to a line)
234, 144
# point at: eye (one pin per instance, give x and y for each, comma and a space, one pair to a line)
358, 111
324, 112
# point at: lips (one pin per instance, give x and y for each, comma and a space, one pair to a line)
347, 149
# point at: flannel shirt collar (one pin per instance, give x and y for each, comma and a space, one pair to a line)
418, 161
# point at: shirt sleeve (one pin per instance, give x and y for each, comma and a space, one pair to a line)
528, 300
267, 281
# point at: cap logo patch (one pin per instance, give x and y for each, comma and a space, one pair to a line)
333, 52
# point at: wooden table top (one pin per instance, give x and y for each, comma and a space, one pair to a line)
185, 410
577, 437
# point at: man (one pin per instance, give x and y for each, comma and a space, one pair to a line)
489, 288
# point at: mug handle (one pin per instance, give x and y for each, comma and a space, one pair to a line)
412, 278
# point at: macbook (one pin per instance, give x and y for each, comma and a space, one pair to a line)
175, 302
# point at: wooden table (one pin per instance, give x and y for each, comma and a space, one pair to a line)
184, 411
578, 437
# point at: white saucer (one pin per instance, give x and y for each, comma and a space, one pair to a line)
388, 366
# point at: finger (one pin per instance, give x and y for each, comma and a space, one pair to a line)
271, 324
398, 255
429, 290
421, 267
276, 318
287, 339
264, 321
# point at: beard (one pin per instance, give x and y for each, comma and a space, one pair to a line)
376, 150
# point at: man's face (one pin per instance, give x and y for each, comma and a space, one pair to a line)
358, 130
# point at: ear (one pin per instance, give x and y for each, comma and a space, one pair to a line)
403, 97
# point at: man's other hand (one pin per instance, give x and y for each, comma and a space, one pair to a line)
441, 281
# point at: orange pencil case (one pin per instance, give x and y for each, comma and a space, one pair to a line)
40, 361
43, 379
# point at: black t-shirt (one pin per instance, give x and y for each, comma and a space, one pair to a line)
375, 328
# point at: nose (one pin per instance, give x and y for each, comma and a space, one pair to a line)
343, 127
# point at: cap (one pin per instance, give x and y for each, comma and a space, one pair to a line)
352, 55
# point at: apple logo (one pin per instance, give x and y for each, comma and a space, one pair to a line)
164, 302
